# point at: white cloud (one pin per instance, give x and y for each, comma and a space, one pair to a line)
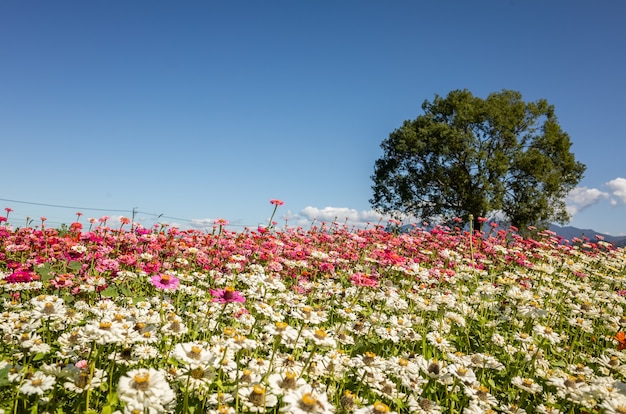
582, 197
351, 217
618, 190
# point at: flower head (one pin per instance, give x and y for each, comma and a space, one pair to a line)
621, 339
147, 390
165, 282
276, 202
38, 384
227, 295
362, 279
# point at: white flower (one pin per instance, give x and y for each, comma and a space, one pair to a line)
547, 333
526, 384
194, 354
319, 337
376, 408
439, 342
256, 398
285, 382
306, 400
79, 380
146, 388
38, 383
462, 373
615, 405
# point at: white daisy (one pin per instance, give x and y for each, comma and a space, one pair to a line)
38, 383
146, 388
256, 398
306, 400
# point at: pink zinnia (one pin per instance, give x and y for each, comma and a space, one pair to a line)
227, 295
20, 276
362, 279
165, 282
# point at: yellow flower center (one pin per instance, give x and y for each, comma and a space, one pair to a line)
380, 408
308, 400
228, 331
281, 326
48, 308
197, 373
141, 380
320, 334
105, 325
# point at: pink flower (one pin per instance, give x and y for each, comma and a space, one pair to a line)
220, 222
3, 219
227, 295
165, 282
362, 279
276, 202
20, 276
124, 220
63, 281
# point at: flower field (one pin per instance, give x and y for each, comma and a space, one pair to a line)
122, 318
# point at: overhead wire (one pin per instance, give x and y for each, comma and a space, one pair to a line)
133, 211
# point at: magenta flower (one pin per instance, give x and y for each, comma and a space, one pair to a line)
227, 295
165, 282
20, 276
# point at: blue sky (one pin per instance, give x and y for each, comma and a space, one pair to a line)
199, 110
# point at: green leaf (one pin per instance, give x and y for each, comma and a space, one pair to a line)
74, 265
112, 399
109, 292
39, 356
138, 299
4, 376
44, 272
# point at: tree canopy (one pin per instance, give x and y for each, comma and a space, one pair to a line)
467, 156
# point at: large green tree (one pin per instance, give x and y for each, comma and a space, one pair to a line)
467, 156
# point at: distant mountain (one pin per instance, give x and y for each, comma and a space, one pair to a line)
569, 232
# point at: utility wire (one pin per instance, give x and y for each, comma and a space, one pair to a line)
60, 206
111, 210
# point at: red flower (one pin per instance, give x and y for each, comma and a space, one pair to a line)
276, 202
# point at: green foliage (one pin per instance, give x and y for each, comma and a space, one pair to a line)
471, 156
